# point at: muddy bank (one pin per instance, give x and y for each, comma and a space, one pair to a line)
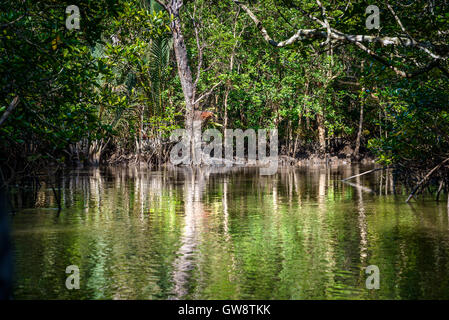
315, 159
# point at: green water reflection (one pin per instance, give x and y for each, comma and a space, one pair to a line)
202, 234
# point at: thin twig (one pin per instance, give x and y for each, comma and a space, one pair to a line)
427, 176
366, 172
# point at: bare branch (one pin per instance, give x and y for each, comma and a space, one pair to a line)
6, 25
399, 22
328, 26
381, 60
207, 93
9, 110
336, 35
427, 176
397, 19
401, 73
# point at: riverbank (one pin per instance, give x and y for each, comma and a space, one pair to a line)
342, 156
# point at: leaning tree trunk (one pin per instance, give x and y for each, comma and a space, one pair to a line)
185, 74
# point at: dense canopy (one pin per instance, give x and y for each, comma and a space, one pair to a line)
112, 90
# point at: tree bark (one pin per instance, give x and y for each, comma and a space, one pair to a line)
184, 71
359, 134
321, 133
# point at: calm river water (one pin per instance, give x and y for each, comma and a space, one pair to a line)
215, 234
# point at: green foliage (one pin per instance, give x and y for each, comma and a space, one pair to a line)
51, 70
114, 82
416, 123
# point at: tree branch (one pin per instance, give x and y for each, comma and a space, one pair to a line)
340, 36
9, 110
401, 73
425, 179
326, 22
207, 93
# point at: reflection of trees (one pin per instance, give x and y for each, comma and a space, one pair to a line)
232, 273
193, 215
230, 233
361, 221
325, 219
118, 226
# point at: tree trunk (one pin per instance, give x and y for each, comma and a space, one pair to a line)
228, 90
359, 134
95, 149
225, 116
139, 140
94, 158
321, 133
184, 72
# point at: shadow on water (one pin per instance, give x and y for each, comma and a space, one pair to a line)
202, 233
5, 249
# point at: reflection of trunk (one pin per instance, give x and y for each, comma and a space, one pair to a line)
322, 189
361, 220
184, 72
323, 221
56, 187
321, 133
359, 133
193, 211
225, 210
